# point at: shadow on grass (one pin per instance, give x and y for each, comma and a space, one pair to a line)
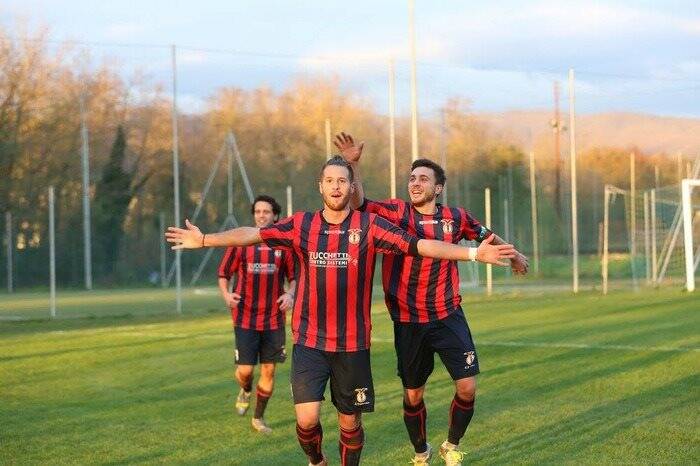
576, 434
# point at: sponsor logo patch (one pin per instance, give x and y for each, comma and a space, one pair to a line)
261, 268
329, 259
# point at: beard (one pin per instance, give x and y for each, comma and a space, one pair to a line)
424, 198
336, 203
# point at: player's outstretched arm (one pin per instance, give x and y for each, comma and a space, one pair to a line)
519, 263
352, 152
192, 237
487, 252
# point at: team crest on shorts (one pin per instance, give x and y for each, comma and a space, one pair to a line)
360, 396
354, 235
470, 356
447, 225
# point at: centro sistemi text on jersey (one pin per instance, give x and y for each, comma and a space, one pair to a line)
329, 259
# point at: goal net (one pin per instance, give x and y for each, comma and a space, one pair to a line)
653, 238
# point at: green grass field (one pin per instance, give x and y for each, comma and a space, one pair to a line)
586, 379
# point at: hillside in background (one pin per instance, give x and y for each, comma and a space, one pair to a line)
650, 133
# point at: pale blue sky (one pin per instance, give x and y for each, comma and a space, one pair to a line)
641, 56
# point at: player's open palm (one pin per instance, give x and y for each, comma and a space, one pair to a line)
350, 151
185, 238
495, 254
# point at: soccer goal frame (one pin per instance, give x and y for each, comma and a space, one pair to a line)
690, 263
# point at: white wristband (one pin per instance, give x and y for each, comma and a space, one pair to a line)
471, 255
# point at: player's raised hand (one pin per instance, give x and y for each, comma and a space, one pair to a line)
350, 151
286, 301
185, 238
519, 264
494, 254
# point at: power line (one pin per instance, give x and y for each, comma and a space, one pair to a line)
366, 60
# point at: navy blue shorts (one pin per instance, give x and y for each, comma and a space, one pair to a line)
267, 346
416, 345
352, 390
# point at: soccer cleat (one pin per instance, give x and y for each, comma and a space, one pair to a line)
324, 462
422, 459
242, 402
451, 455
260, 426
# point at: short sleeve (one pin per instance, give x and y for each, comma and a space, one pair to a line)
230, 262
471, 228
390, 239
279, 235
389, 209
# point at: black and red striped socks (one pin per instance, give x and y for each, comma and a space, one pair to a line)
310, 441
415, 418
461, 412
261, 402
350, 445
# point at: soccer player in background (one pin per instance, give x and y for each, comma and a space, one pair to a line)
335, 250
423, 298
258, 306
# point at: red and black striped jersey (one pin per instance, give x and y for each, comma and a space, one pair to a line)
260, 272
335, 265
419, 289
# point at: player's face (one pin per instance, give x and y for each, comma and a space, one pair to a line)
421, 186
335, 187
263, 214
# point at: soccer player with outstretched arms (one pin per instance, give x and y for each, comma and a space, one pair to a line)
335, 250
258, 305
422, 295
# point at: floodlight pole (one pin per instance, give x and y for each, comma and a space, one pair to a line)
290, 210
229, 177
85, 159
487, 215
647, 242
176, 185
328, 139
443, 152
414, 92
10, 250
633, 205
392, 129
574, 203
533, 216
606, 227
163, 251
654, 258
52, 252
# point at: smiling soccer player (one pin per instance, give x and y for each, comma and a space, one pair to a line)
335, 250
258, 306
423, 298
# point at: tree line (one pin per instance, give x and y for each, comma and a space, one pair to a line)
281, 138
